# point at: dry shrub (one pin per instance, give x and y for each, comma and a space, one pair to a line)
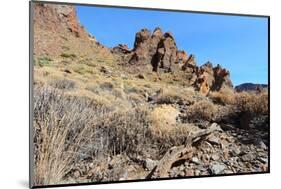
163, 119
253, 103
175, 97
61, 126
224, 96
107, 86
68, 130
136, 98
202, 109
119, 93
178, 135
63, 84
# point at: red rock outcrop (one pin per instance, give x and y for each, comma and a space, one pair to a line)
159, 52
156, 49
57, 30
211, 78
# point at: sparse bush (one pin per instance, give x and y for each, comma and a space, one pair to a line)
224, 96
63, 84
68, 130
93, 88
202, 109
163, 119
66, 55
44, 61
119, 93
175, 97
137, 98
252, 103
82, 69
61, 126
107, 86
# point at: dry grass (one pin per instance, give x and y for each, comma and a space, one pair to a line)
63, 84
202, 110
70, 129
61, 127
163, 119
175, 96
252, 103
224, 96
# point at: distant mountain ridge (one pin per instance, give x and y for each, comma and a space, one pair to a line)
250, 86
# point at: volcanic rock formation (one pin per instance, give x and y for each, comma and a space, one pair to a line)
58, 31
160, 51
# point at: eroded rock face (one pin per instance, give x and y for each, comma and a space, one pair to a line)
211, 78
141, 47
166, 54
57, 30
156, 49
159, 53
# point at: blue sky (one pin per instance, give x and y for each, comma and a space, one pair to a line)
238, 43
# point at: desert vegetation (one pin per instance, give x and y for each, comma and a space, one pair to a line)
99, 115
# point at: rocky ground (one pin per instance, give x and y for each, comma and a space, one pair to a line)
226, 151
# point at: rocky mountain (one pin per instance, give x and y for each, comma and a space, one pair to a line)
157, 51
57, 31
250, 87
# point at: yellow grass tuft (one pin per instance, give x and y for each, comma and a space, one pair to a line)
163, 119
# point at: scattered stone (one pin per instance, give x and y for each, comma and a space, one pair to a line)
263, 160
150, 164
214, 140
141, 76
217, 168
105, 70
195, 160
197, 172
235, 151
248, 157
189, 173
206, 158
215, 157
244, 149
76, 174
260, 144
67, 71
182, 168
228, 172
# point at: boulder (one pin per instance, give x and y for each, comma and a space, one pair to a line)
121, 49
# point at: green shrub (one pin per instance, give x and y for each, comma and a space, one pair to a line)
43, 61
66, 55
